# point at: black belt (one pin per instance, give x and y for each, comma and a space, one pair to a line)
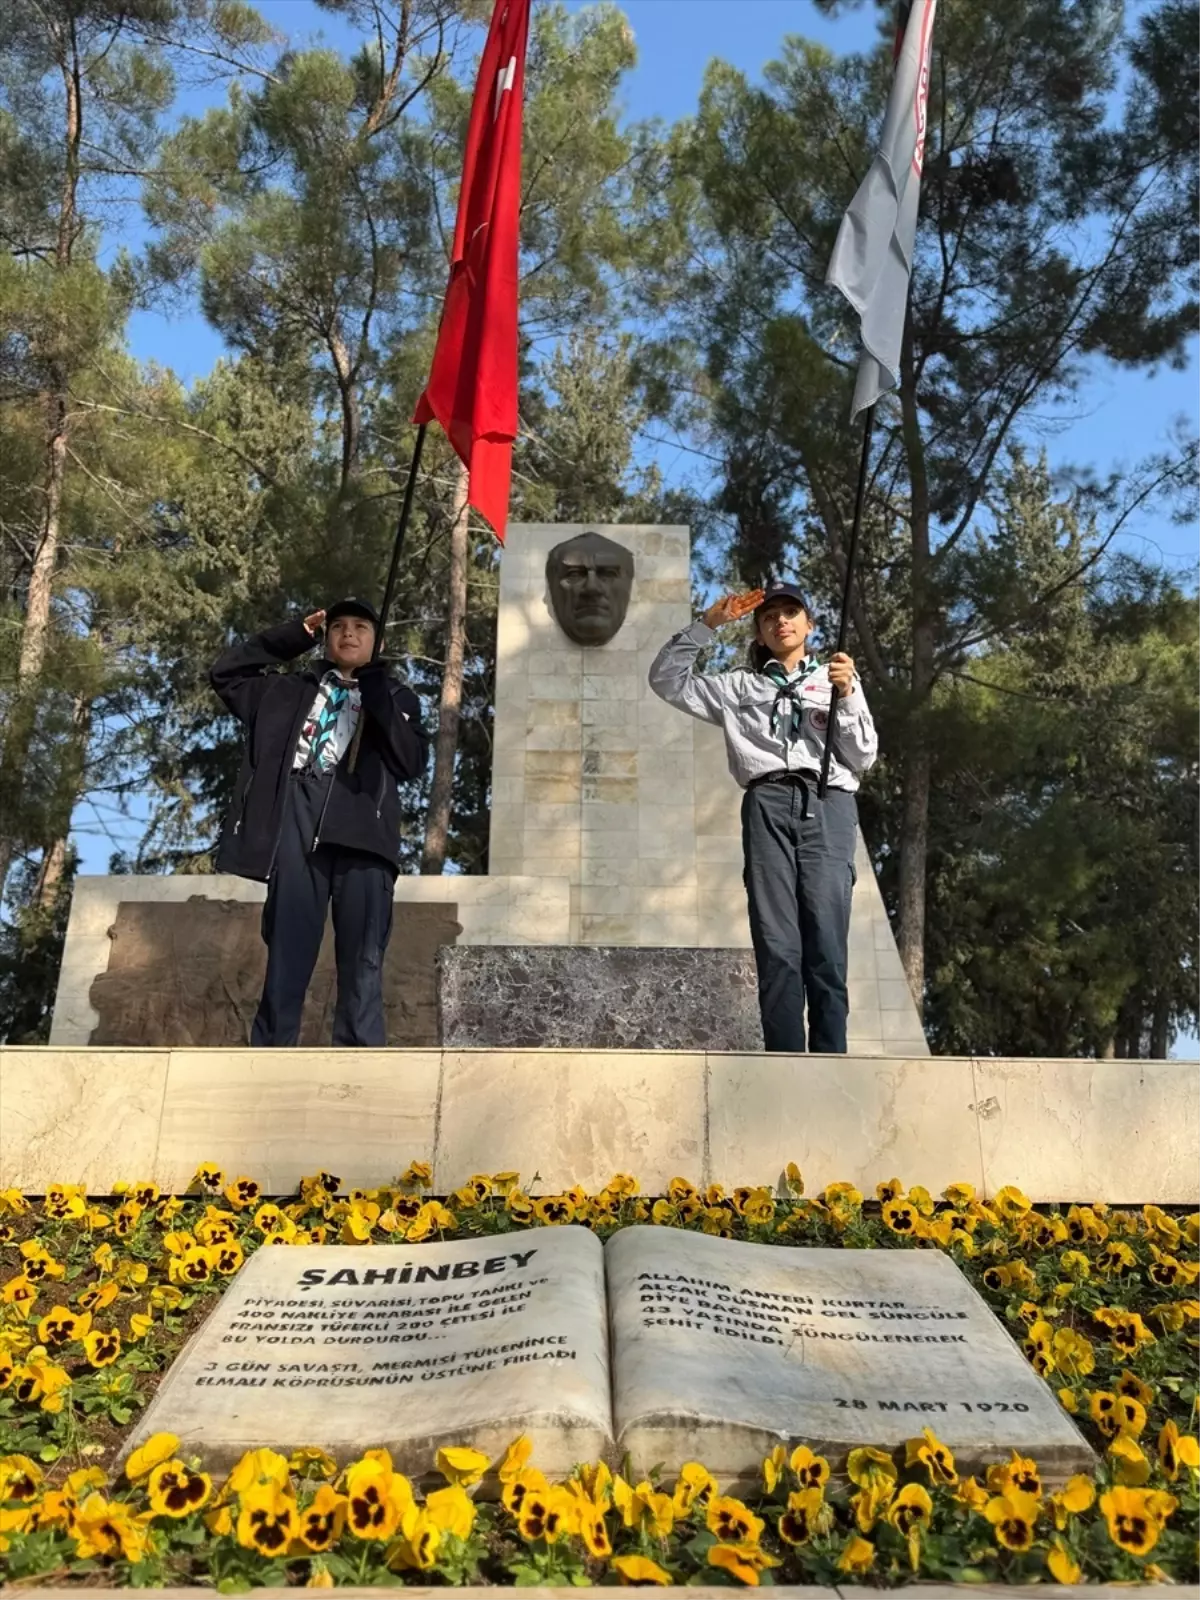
804, 778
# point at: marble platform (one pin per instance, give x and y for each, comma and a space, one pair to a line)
1124, 1132
591, 997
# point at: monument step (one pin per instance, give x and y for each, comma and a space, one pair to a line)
810, 1591
1065, 1130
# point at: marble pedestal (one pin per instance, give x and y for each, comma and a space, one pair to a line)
590, 997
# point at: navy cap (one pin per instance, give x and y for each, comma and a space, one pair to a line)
351, 606
780, 589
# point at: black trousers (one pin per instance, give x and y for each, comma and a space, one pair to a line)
799, 876
303, 883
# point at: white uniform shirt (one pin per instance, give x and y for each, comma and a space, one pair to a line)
741, 704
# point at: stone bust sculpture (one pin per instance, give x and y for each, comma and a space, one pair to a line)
590, 579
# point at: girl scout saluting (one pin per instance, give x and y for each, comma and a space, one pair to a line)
799, 850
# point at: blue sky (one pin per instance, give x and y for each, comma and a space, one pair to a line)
1118, 418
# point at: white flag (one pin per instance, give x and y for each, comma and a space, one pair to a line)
872, 259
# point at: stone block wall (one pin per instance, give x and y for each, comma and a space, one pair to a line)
488, 911
594, 779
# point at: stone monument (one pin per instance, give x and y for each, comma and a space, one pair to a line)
614, 826
597, 783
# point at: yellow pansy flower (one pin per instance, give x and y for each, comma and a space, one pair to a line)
310, 1461
512, 1463
107, 1528
268, 1521
1014, 1517
810, 1471
694, 1486
635, 1571
323, 1519
158, 1447
462, 1466
858, 1555
377, 1497
802, 1517
257, 1467
1176, 1450
742, 1561
594, 1532
548, 1515
451, 1510
1075, 1497
1062, 1565
937, 1459
417, 1547
174, 1490
102, 1346
732, 1522
1132, 1524
1129, 1462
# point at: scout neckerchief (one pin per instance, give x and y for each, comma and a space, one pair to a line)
323, 747
785, 723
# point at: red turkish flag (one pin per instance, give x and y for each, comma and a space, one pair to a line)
472, 388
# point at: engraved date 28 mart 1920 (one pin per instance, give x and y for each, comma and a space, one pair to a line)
982, 1406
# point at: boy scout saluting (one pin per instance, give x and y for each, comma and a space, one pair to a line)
799, 849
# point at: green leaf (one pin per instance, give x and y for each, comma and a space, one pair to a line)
526, 1577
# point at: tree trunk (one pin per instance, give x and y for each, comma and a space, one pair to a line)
914, 822
50, 874
437, 825
1160, 1028
348, 399
914, 847
36, 627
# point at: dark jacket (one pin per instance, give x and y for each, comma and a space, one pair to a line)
363, 808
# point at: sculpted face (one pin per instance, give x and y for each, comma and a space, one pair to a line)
590, 579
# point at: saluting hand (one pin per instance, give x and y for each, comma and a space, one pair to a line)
315, 623
841, 673
732, 608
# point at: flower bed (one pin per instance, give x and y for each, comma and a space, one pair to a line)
96, 1298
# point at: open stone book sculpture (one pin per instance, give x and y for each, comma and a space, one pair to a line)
663, 1345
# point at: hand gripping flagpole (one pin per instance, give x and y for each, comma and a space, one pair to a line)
860, 495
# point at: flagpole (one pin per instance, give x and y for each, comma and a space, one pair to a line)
872, 257
389, 588
860, 495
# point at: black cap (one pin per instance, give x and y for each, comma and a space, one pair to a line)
351, 606
780, 589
